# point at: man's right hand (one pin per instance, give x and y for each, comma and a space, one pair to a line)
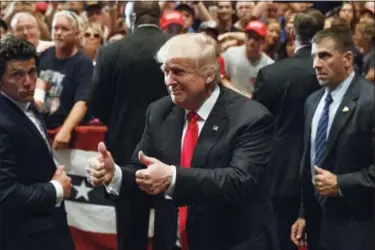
64, 180
298, 232
102, 168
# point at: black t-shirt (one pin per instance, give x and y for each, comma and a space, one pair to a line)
68, 80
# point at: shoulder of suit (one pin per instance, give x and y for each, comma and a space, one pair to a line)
161, 104
286, 68
367, 88
242, 106
5, 116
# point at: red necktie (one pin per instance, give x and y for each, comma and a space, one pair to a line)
190, 139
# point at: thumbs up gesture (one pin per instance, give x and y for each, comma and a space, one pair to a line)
102, 168
156, 178
326, 182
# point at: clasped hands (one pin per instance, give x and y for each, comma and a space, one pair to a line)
325, 182
156, 178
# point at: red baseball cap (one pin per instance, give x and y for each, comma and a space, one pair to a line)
171, 17
257, 26
41, 7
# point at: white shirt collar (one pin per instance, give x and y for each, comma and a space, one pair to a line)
205, 109
298, 47
22, 105
339, 92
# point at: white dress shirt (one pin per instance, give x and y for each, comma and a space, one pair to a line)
35, 121
337, 97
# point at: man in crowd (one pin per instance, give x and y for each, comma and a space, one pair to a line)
172, 22
283, 88
65, 76
25, 25
32, 189
126, 80
201, 159
242, 63
338, 169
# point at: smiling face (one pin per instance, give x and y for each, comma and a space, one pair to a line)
19, 80
273, 33
27, 28
224, 11
186, 85
331, 65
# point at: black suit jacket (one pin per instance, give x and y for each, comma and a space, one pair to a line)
28, 217
127, 78
349, 155
225, 189
283, 88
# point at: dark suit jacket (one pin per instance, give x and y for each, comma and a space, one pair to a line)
349, 155
283, 87
126, 80
28, 217
225, 188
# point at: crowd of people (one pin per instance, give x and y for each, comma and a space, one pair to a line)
231, 125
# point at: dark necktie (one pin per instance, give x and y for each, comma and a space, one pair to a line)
321, 141
38, 116
188, 146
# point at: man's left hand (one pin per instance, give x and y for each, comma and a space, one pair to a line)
62, 139
326, 182
156, 178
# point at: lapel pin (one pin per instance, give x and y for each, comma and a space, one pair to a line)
215, 128
345, 109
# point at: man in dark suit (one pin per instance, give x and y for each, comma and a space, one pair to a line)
201, 160
338, 172
32, 214
127, 78
283, 88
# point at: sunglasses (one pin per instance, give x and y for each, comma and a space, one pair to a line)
95, 35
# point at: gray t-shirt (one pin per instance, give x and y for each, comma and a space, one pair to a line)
241, 71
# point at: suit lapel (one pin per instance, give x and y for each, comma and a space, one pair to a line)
211, 131
172, 131
23, 119
344, 112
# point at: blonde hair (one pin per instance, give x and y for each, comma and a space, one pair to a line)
95, 27
199, 47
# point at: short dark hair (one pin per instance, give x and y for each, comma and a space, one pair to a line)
147, 12
13, 48
342, 37
307, 24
